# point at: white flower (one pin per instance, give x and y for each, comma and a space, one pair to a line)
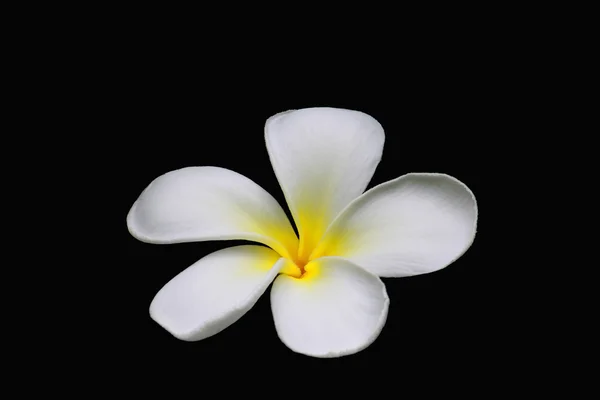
327, 299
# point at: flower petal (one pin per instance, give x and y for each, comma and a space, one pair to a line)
209, 203
336, 309
412, 225
215, 292
323, 159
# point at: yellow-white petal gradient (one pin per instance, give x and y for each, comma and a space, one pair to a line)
215, 292
415, 224
336, 309
323, 158
210, 203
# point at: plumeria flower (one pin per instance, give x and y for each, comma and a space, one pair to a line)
327, 298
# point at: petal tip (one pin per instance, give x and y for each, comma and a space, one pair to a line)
130, 221
193, 335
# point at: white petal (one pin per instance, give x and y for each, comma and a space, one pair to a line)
215, 292
412, 225
209, 203
323, 159
335, 309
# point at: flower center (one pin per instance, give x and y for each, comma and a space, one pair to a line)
301, 264
300, 269
296, 266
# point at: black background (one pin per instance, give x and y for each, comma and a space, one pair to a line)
438, 116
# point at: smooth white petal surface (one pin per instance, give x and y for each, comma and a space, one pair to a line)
336, 309
215, 292
323, 159
209, 203
412, 225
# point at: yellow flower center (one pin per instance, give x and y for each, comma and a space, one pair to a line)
303, 266
301, 252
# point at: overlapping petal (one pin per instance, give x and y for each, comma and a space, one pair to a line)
210, 203
415, 224
336, 309
216, 291
323, 158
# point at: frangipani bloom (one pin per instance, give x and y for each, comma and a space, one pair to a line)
327, 299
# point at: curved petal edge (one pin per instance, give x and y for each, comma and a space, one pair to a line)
323, 159
338, 309
209, 203
415, 224
215, 292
